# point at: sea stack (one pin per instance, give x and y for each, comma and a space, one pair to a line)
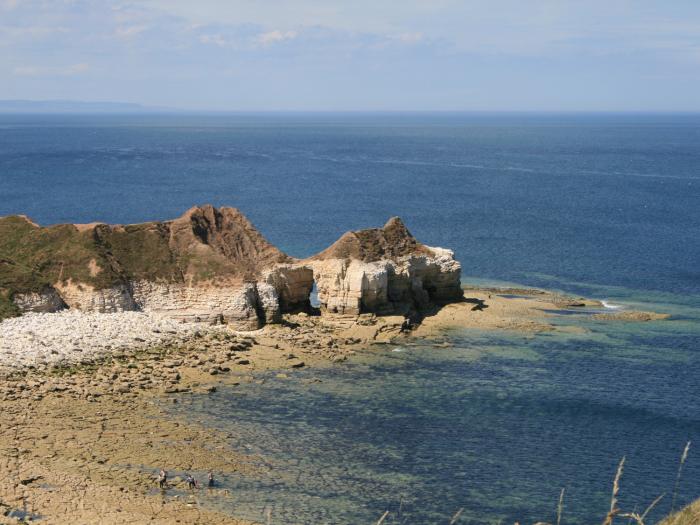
213, 265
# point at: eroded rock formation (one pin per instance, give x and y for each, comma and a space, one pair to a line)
384, 270
213, 265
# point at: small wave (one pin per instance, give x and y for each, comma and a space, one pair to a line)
398, 349
610, 305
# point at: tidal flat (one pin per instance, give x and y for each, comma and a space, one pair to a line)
337, 420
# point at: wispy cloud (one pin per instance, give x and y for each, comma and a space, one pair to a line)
272, 37
503, 53
408, 38
130, 31
215, 39
51, 71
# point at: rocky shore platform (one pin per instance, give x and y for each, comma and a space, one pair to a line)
82, 425
100, 325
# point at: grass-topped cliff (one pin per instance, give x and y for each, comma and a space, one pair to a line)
202, 245
213, 264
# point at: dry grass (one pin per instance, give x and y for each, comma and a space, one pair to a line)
560, 507
384, 516
456, 516
687, 516
614, 510
684, 456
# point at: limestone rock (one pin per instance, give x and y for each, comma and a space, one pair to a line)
385, 271
212, 265
45, 301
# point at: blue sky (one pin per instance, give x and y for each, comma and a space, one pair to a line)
585, 55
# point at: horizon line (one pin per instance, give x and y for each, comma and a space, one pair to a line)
85, 107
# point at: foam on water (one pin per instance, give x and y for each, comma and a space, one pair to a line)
611, 306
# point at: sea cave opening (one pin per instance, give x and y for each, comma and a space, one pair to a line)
314, 302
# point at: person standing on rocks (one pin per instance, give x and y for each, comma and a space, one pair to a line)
191, 483
162, 478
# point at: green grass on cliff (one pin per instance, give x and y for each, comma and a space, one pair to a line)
139, 251
7, 307
33, 258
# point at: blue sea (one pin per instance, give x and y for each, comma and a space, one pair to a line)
602, 205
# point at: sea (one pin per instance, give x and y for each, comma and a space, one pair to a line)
493, 427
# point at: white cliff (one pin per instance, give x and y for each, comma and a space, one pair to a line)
211, 265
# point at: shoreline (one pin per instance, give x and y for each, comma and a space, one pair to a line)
109, 435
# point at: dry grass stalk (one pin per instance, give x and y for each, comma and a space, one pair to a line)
560, 506
684, 456
456, 516
652, 505
639, 518
614, 510
384, 516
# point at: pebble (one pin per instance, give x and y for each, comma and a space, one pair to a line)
73, 337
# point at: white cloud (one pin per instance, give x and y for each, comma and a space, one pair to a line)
216, 40
272, 37
490, 27
408, 38
51, 71
130, 31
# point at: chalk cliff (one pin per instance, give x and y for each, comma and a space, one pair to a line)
213, 265
384, 270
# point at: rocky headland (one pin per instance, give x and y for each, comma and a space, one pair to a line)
102, 324
212, 265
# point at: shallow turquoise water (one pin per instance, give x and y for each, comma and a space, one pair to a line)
496, 425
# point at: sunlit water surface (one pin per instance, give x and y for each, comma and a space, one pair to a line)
606, 206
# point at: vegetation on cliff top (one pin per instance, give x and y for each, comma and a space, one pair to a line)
206, 244
202, 245
373, 244
33, 258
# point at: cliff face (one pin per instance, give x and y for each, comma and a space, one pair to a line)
213, 265
384, 270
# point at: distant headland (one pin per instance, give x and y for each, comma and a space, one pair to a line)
75, 106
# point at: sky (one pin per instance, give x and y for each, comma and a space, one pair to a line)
356, 55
